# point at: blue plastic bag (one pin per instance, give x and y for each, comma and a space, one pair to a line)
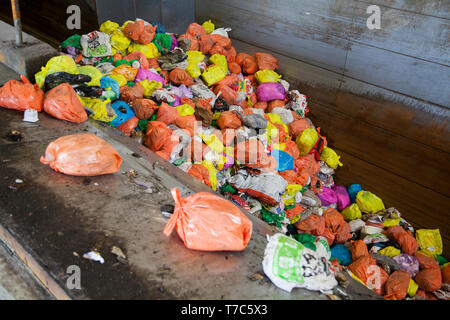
159, 27
107, 82
123, 112
340, 252
353, 191
284, 160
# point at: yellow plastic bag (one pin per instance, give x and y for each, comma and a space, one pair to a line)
56, 64
99, 109
149, 50
330, 157
194, 58
121, 80
391, 222
150, 87
109, 27
119, 42
185, 110
390, 252
352, 212
413, 287
126, 71
306, 141
430, 240
368, 202
212, 142
290, 193
208, 26
272, 134
267, 76
92, 72
220, 60
212, 173
213, 75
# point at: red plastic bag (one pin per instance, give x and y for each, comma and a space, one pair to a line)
426, 262
337, 225
404, 238
429, 279
21, 95
359, 249
62, 102
167, 114
128, 126
144, 108
266, 61
397, 285
205, 221
180, 76
229, 120
82, 154
129, 94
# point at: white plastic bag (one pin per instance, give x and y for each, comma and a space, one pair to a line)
96, 44
222, 31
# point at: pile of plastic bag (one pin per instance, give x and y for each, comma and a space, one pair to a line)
229, 120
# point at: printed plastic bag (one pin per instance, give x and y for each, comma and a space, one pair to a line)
396, 287
289, 264
63, 103
269, 91
96, 44
21, 95
200, 221
430, 240
82, 154
369, 203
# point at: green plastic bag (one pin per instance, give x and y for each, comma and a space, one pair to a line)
163, 42
72, 41
307, 240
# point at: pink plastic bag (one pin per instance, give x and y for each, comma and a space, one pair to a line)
144, 74
327, 197
269, 91
343, 199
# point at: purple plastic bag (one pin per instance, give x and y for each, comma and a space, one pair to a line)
174, 42
328, 197
177, 101
269, 91
343, 199
229, 163
408, 263
182, 91
144, 74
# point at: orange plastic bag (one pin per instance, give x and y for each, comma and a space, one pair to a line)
252, 153
397, 285
125, 70
62, 102
206, 43
426, 262
229, 120
230, 54
337, 225
82, 154
216, 49
147, 35
21, 95
290, 176
200, 173
292, 149
275, 104
179, 76
195, 30
129, 94
139, 56
205, 221
160, 139
261, 105
144, 108
240, 57
359, 249
446, 274
228, 94
404, 238
167, 114
128, 126
313, 225
234, 68
429, 279
221, 41
266, 61
297, 127
133, 30
249, 65
187, 123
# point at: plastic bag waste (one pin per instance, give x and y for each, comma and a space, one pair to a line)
269, 91
200, 219
340, 252
397, 285
404, 238
56, 64
266, 61
368, 202
267, 76
430, 240
408, 263
289, 264
63, 103
82, 154
352, 212
306, 141
331, 158
353, 191
213, 75
96, 44
21, 95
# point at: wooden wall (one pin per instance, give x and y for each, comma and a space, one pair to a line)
382, 97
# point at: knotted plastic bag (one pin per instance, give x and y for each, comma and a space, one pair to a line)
21, 95
368, 202
82, 154
207, 222
269, 91
63, 103
430, 241
397, 285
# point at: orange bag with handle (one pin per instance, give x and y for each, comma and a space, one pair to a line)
207, 222
404, 238
266, 61
82, 154
62, 102
167, 114
180, 76
359, 249
21, 95
128, 126
397, 285
200, 173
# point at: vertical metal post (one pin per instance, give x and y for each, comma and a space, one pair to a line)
17, 21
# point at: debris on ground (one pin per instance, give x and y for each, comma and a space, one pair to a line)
94, 256
231, 121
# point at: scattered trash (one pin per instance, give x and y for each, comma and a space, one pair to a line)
15, 136
118, 252
94, 256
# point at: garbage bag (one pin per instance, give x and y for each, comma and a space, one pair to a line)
297, 127
338, 228
149, 50
359, 249
179, 76
396, 287
390, 252
123, 112
140, 57
269, 91
208, 26
200, 173
226, 93
266, 61
352, 212
429, 279
289, 264
340, 252
144, 108
125, 70
306, 141
72, 41
220, 60
369, 273
133, 30
92, 72
327, 196
426, 262
109, 27
63, 103
368, 202
446, 274
163, 42
213, 75
82, 154
207, 222
55, 79
408, 263
129, 94
96, 44
21, 95
284, 160
234, 68
56, 64
331, 158
119, 41
229, 120
353, 191
430, 240
404, 238
129, 126
144, 74
267, 76
167, 114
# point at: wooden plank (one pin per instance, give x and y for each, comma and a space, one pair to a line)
409, 76
406, 158
423, 208
271, 32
